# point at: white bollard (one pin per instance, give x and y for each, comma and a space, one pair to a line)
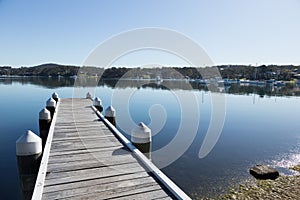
29, 154
51, 105
89, 96
44, 124
141, 138
55, 97
110, 115
98, 104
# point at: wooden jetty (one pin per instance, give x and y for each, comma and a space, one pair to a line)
85, 157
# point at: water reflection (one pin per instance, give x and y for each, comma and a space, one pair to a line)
168, 84
45, 82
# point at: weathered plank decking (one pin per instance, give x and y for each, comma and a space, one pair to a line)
87, 161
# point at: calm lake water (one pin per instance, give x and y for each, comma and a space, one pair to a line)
261, 126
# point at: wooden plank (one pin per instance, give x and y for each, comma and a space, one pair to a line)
80, 151
75, 137
103, 188
81, 143
96, 181
75, 134
85, 140
88, 163
84, 174
156, 194
119, 192
101, 171
71, 147
90, 156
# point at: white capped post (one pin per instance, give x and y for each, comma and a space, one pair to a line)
29, 154
110, 115
55, 97
98, 104
89, 96
44, 124
141, 138
51, 105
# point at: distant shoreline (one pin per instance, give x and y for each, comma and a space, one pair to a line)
230, 72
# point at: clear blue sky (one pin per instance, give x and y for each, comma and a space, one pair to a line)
231, 31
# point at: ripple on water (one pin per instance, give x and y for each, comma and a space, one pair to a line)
285, 161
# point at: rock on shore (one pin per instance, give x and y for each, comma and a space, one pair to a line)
264, 172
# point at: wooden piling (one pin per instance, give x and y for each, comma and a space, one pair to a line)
110, 115
89, 96
29, 153
51, 105
55, 97
44, 125
141, 138
98, 104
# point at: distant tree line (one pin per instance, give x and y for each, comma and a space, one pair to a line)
263, 72
40, 70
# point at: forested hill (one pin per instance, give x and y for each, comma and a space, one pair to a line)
263, 72
41, 70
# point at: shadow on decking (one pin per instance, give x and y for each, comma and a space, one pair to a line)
121, 151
